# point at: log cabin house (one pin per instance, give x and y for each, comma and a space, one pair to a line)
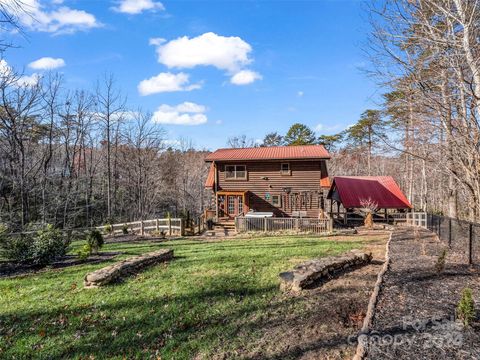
288, 181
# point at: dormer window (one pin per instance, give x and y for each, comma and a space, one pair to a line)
285, 169
235, 172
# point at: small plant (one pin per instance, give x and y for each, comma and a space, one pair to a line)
466, 307
440, 264
108, 228
84, 252
125, 229
95, 240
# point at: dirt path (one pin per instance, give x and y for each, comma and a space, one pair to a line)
414, 317
320, 323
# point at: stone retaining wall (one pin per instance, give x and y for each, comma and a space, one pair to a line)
311, 271
126, 267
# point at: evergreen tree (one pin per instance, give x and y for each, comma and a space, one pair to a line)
300, 134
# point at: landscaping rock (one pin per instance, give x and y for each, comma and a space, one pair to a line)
311, 271
113, 272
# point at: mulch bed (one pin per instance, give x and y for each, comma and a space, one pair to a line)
11, 268
415, 313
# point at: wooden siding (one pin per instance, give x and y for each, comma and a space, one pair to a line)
305, 178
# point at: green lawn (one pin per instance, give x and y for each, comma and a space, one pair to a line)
210, 299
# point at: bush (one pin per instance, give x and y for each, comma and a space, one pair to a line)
125, 229
84, 252
95, 240
466, 307
40, 247
108, 228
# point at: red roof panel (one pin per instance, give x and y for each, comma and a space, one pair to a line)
270, 153
381, 189
210, 182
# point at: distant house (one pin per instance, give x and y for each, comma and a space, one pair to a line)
349, 193
285, 180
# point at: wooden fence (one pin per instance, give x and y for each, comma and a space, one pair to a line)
175, 226
272, 224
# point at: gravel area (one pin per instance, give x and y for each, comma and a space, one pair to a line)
415, 313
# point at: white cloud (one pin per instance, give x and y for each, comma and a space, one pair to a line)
134, 7
28, 80
156, 41
300, 93
187, 113
51, 17
166, 82
5, 69
47, 63
12, 78
209, 49
319, 127
245, 77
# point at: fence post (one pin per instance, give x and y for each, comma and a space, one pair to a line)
170, 226
157, 226
470, 244
142, 230
182, 227
265, 224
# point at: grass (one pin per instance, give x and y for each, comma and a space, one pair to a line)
211, 298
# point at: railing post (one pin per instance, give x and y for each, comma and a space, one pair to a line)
470, 244
142, 229
169, 226
296, 224
265, 224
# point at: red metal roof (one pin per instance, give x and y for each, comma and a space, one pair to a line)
270, 153
210, 182
383, 190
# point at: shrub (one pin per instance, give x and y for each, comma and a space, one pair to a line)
48, 245
84, 252
440, 264
16, 248
125, 229
95, 240
466, 307
108, 228
40, 247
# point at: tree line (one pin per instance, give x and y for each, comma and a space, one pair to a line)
82, 158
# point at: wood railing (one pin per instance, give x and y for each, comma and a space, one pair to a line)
169, 226
272, 224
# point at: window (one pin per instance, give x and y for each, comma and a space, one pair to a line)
277, 200
285, 169
235, 172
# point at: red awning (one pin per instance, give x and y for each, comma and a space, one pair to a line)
383, 190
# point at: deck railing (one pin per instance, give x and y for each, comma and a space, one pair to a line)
272, 224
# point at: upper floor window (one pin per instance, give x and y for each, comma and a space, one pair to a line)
285, 169
235, 172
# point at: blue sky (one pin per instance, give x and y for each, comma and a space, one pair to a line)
231, 68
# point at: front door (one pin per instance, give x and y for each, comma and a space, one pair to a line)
234, 206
